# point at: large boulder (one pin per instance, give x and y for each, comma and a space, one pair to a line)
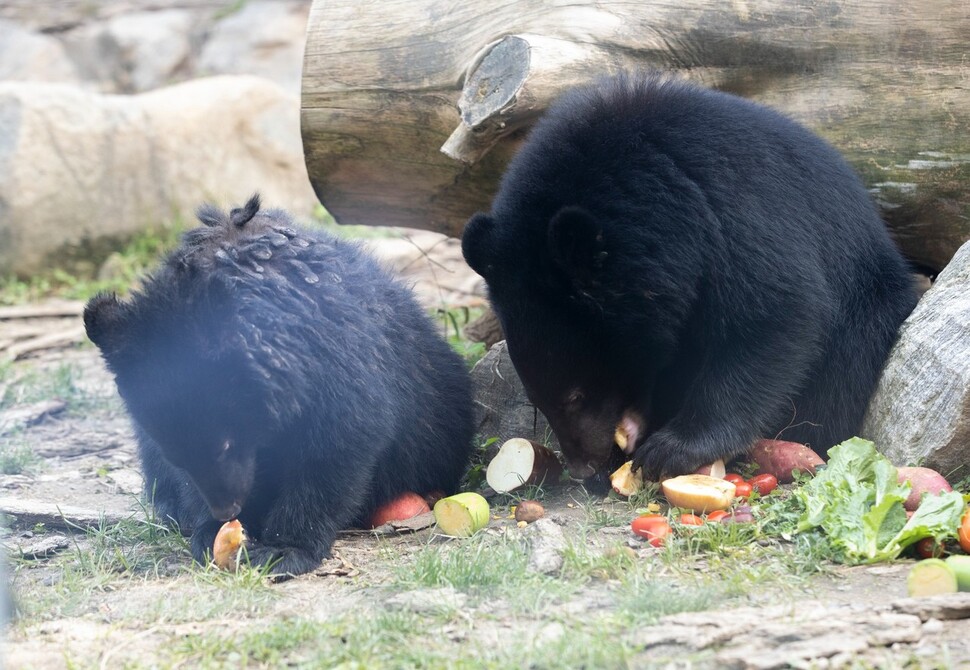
502, 408
77, 167
920, 413
134, 52
29, 56
263, 38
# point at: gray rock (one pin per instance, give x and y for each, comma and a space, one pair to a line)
502, 409
136, 51
920, 412
547, 543
262, 38
28, 56
78, 167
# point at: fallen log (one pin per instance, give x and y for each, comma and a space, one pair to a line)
411, 110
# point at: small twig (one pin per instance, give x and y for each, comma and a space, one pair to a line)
49, 341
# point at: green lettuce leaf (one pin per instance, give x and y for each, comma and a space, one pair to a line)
858, 503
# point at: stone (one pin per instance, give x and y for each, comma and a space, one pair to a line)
547, 543
134, 52
502, 408
920, 411
29, 56
78, 169
262, 38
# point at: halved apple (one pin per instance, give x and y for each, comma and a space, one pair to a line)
699, 493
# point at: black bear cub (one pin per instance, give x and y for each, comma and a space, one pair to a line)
280, 376
691, 267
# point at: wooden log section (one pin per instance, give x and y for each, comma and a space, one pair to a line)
412, 108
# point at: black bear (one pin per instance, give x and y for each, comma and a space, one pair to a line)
689, 269
280, 375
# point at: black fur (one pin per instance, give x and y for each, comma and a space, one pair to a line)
278, 374
695, 259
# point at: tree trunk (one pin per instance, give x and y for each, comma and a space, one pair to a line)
412, 108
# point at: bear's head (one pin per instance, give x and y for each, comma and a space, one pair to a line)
186, 392
547, 291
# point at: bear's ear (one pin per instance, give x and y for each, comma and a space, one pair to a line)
576, 244
103, 322
476, 244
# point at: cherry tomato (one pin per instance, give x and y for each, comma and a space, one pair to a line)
928, 547
652, 527
691, 520
657, 534
963, 534
734, 478
764, 483
641, 523
742, 489
716, 515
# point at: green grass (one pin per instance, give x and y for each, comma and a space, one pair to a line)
30, 385
123, 268
16, 456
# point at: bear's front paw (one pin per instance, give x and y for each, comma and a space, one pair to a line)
284, 561
667, 454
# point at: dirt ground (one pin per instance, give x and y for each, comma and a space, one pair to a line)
845, 617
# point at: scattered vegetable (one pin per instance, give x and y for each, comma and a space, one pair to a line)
858, 502
462, 514
923, 481
520, 462
625, 481
742, 489
228, 545
961, 568
963, 533
698, 493
928, 547
405, 506
691, 520
931, 577
733, 477
783, 459
717, 515
715, 469
529, 511
652, 527
764, 483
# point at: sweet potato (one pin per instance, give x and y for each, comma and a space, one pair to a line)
923, 481
520, 462
782, 459
405, 506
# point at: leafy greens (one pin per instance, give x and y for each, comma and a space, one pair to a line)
857, 501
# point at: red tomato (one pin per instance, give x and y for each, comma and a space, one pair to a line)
658, 533
652, 527
764, 483
742, 489
691, 520
717, 515
734, 478
929, 548
963, 534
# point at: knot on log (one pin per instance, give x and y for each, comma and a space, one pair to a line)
512, 81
